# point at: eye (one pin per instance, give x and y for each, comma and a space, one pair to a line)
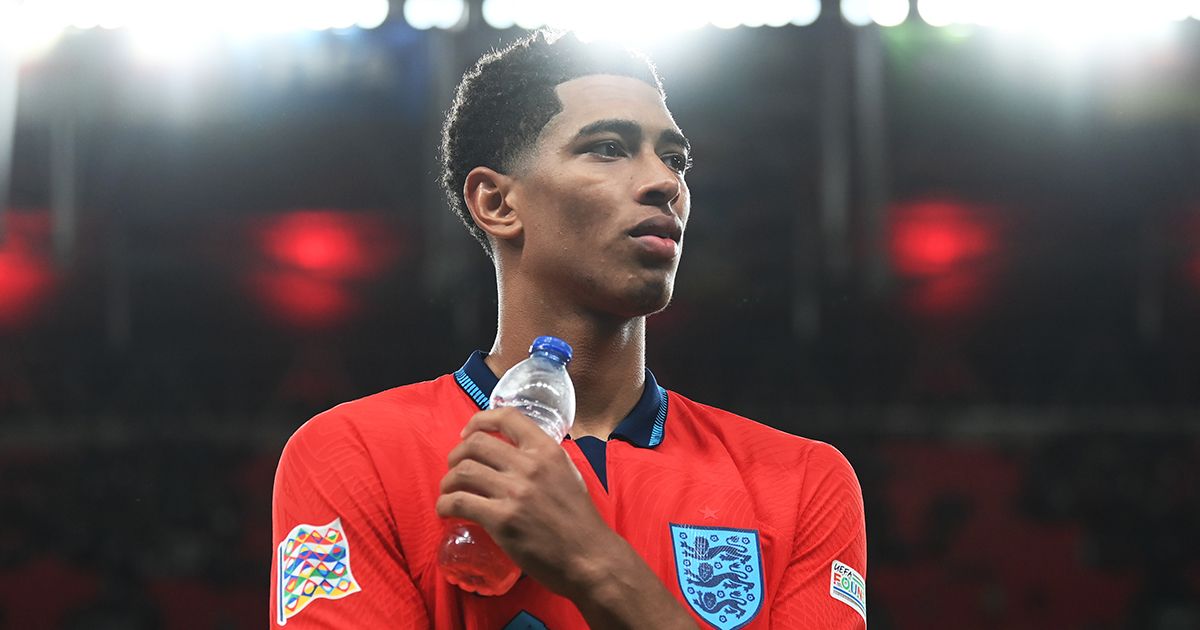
608, 148
677, 162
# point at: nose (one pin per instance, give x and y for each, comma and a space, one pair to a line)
661, 186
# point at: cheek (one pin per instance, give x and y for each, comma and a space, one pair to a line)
580, 212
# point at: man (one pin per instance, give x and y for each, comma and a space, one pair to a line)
658, 512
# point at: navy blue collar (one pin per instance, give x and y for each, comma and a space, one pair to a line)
642, 427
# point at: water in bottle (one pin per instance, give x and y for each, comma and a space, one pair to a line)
540, 387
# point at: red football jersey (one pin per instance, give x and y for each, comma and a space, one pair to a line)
746, 525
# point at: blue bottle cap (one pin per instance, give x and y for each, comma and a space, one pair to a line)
553, 345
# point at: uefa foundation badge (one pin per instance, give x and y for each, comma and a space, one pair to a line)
720, 573
314, 563
847, 585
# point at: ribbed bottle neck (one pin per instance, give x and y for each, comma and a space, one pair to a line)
551, 355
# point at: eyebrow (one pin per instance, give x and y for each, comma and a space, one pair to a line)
631, 132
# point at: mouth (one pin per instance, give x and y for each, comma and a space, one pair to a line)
661, 226
659, 236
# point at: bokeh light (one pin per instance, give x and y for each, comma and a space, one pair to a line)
27, 276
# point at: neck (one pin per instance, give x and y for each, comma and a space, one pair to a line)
608, 367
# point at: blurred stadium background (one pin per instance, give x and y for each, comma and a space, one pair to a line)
960, 240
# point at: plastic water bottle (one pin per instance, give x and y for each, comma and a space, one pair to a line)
540, 387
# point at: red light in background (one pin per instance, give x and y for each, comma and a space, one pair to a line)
26, 274
320, 241
312, 260
934, 237
302, 300
944, 247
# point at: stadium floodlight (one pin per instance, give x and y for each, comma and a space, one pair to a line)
1176, 10
531, 14
939, 12
888, 12
725, 15
752, 13
427, 14
857, 12
82, 14
805, 12
165, 33
499, 14
1078, 24
28, 29
371, 13
611, 21
774, 13
655, 19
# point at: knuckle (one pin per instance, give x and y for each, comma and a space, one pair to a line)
469, 469
523, 492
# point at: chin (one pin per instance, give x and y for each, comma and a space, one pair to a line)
649, 299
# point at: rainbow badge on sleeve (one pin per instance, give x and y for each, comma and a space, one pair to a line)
314, 563
848, 586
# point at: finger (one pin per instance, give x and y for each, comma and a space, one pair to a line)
485, 448
509, 422
466, 505
474, 477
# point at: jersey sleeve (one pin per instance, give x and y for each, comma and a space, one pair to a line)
336, 562
824, 585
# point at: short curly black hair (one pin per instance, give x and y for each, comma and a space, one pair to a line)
504, 101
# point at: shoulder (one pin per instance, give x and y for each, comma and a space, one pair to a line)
760, 446
736, 431
389, 416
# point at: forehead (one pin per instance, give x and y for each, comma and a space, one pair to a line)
602, 96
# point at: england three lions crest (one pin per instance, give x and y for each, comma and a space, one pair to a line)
720, 573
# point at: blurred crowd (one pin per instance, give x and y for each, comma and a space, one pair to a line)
1078, 532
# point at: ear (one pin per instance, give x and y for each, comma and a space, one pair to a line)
486, 194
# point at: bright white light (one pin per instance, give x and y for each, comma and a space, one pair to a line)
610, 21
168, 45
343, 15
655, 19
753, 14
725, 14
1075, 25
113, 13
939, 12
163, 33
888, 12
1172, 10
531, 14
426, 14
756, 13
82, 14
29, 29
805, 12
1067, 20
499, 14
776, 13
372, 13
857, 12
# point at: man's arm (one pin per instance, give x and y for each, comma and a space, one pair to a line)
824, 585
335, 561
529, 496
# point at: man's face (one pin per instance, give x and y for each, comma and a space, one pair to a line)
602, 198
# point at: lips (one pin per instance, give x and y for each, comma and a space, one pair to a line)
661, 226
